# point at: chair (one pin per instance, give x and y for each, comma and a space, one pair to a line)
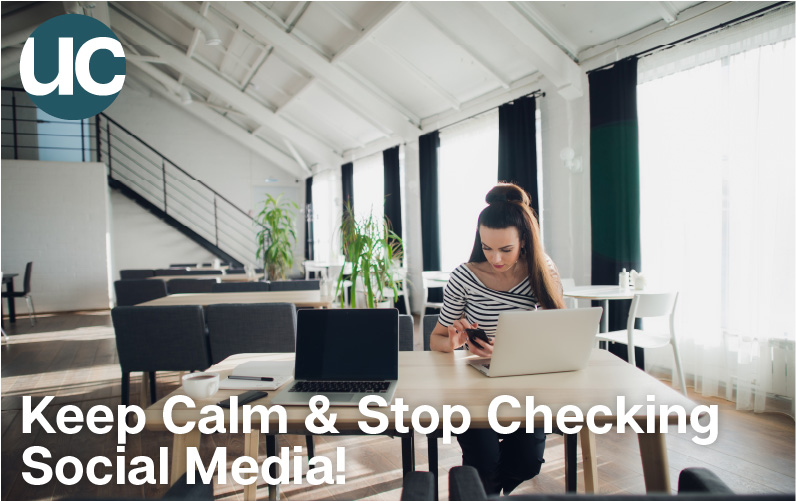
170, 272
132, 292
295, 285
428, 324
135, 274
406, 333
241, 287
189, 285
566, 284
400, 278
247, 328
182, 265
159, 338
694, 484
235, 271
25, 293
418, 486
645, 305
203, 272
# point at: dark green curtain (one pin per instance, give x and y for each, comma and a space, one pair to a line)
309, 251
517, 146
348, 187
615, 228
392, 189
429, 200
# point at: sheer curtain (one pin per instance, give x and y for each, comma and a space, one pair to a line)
717, 213
468, 160
327, 213
369, 187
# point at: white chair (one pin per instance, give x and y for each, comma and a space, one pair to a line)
646, 305
566, 284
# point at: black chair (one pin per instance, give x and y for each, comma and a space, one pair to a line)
190, 285
251, 328
203, 272
418, 486
258, 328
235, 271
183, 265
694, 484
241, 287
180, 490
170, 272
429, 322
135, 274
159, 338
296, 285
132, 292
25, 293
406, 333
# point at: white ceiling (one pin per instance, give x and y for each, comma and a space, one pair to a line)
306, 83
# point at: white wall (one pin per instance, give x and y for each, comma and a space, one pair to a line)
141, 240
56, 215
231, 169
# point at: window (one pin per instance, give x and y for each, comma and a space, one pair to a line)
717, 211
326, 214
369, 187
468, 158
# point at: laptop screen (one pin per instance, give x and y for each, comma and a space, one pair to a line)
347, 344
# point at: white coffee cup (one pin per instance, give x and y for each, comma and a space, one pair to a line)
200, 384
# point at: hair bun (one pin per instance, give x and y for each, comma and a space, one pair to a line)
508, 192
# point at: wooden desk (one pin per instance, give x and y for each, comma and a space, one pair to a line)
234, 277
302, 299
436, 379
8, 281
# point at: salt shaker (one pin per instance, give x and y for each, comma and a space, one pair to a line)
624, 279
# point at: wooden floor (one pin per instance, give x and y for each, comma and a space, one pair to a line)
73, 358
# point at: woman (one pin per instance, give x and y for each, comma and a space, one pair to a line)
507, 270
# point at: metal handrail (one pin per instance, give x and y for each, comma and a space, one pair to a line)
176, 191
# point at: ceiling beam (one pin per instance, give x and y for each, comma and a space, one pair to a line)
219, 86
553, 62
341, 16
667, 10
234, 132
295, 15
553, 34
99, 11
485, 65
367, 104
389, 11
420, 75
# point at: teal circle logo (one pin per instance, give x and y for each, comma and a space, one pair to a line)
72, 66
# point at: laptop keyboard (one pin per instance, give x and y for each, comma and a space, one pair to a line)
341, 386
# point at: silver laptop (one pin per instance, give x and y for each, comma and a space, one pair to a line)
344, 354
537, 342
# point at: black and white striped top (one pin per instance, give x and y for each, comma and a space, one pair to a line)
466, 294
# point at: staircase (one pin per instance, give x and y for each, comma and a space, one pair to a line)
140, 172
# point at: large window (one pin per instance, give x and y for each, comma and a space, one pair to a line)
369, 187
717, 210
468, 158
327, 214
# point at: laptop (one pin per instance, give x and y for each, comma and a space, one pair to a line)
344, 354
541, 341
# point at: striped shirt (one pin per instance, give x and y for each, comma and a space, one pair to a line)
466, 295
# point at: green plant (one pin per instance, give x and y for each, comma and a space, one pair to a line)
373, 250
276, 236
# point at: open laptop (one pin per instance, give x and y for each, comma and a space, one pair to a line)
537, 342
344, 354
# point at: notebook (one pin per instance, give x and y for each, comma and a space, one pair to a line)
344, 354
541, 341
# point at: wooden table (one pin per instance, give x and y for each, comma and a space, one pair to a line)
224, 277
8, 281
436, 379
302, 299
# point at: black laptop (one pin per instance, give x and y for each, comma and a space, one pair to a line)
344, 354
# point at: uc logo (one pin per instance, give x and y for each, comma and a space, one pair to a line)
72, 66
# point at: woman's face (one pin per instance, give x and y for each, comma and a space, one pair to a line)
501, 247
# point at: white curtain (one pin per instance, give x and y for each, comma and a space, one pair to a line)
468, 158
717, 211
327, 213
369, 187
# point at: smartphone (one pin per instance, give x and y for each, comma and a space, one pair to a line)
244, 398
477, 336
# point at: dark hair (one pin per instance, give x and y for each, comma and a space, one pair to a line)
510, 206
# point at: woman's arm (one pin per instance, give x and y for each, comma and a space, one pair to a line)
447, 339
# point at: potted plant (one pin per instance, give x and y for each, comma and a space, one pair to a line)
276, 236
374, 251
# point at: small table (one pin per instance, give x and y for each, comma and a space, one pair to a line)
602, 293
302, 299
8, 281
